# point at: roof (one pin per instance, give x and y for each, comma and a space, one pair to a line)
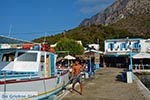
10, 40
123, 39
94, 51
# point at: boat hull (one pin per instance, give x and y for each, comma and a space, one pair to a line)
42, 87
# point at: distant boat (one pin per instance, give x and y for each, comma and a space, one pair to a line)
30, 72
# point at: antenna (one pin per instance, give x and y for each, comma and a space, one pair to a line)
44, 38
10, 27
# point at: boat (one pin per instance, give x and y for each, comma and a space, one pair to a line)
30, 73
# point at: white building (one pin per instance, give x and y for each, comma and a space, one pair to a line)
54, 45
4, 46
9, 42
96, 46
145, 45
118, 52
123, 46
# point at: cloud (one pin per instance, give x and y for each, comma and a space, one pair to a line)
93, 6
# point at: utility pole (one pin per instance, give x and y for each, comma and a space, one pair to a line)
10, 27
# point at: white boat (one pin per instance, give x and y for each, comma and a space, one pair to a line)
29, 74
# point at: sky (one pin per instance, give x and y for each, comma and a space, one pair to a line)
30, 19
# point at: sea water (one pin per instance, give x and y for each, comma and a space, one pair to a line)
145, 79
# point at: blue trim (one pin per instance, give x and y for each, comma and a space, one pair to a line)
52, 65
117, 55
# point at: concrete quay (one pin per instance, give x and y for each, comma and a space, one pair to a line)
107, 85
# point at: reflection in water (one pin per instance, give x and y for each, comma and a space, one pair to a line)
145, 80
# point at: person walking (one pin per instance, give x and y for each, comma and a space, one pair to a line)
76, 75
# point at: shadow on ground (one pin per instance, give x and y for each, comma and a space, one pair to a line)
120, 78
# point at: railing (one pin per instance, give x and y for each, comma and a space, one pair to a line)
10, 75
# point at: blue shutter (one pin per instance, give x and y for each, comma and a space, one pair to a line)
121, 46
113, 46
108, 45
125, 45
133, 45
139, 46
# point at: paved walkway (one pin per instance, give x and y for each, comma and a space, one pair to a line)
107, 85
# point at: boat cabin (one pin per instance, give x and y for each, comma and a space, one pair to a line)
41, 63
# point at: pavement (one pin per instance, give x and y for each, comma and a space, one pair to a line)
107, 85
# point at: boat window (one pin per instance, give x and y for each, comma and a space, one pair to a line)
25, 56
42, 68
8, 57
42, 58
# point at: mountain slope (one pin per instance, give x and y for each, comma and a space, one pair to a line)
92, 34
135, 24
120, 9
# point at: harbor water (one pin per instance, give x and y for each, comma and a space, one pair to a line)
145, 79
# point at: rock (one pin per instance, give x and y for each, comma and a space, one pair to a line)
120, 9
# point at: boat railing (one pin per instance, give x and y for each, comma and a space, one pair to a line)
13, 76
4, 75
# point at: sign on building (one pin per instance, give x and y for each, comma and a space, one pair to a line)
97, 58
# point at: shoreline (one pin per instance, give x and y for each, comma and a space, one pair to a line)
145, 91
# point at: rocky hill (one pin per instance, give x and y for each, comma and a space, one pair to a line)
139, 24
120, 9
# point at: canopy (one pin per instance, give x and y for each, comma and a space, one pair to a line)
141, 56
69, 57
94, 51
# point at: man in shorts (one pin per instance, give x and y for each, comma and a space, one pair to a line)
76, 75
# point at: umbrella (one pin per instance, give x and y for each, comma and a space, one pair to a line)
141, 56
69, 57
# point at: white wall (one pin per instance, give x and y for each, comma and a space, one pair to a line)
118, 42
96, 46
4, 46
145, 45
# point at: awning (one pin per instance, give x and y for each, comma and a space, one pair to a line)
94, 51
142, 56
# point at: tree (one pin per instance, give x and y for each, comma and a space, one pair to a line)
70, 45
